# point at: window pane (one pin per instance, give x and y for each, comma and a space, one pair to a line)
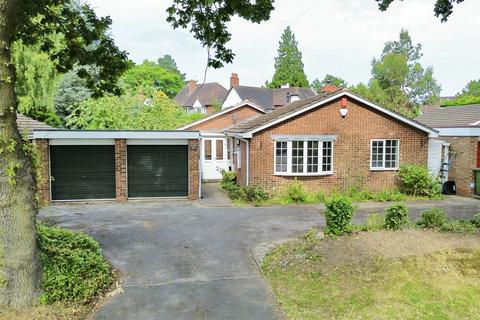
377, 154
229, 149
391, 153
312, 156
219, 149
208, 149
327, 156
281, 156
297, 156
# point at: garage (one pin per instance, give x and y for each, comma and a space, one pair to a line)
157, 171
81, 172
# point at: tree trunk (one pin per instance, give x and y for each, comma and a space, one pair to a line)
19, 263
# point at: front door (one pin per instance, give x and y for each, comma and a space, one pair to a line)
216, 157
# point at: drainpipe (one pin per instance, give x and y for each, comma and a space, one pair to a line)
247, 156
200, 168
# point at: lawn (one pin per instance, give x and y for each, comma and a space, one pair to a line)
411, 274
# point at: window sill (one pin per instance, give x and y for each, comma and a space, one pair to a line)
302, 174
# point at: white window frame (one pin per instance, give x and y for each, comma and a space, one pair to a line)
383, 168
305, 158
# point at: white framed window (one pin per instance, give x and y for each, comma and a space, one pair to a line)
303, 157
384, 154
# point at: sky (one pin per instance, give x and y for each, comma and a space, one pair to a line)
338, 37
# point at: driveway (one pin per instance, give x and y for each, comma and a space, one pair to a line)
183, 260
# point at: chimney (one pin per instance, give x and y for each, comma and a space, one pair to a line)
234, 80
192, 84
329, 88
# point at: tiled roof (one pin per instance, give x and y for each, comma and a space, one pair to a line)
451, 117
206, 93
26, 124
270, 98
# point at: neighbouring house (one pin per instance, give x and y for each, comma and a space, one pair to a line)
202, 98
26, 125
329, 142
459, 131
268, 99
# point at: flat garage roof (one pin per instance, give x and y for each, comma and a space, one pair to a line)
114, 134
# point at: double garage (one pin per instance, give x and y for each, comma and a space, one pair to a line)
86, 165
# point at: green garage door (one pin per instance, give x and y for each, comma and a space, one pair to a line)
82, 172
157, 171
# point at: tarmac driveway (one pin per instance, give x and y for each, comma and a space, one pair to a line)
181, 260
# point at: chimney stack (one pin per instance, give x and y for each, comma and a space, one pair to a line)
192, 84
234, 80
329, 88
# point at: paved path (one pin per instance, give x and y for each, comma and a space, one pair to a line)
182, 260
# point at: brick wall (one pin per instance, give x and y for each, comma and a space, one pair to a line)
351, 150
227, 119
121, 186
242, 171
193, 169
464, 162
43, 186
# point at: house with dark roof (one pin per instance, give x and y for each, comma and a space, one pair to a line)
328, 142
458, 147
26, 125
201, 98
268, 99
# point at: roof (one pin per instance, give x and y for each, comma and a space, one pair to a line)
206, 93
269, 98
467, 116
248, 127
223, 111
26, 124
115, 134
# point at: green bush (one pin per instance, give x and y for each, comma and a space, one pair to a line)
255, 194
415, 180
358, 194
459, 226
389, 195
339, 214
396, 217
375, 222
228, 178
432, 218
295, 192
476, 220
74, 270
234, 192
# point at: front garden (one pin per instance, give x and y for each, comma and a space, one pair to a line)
389, 267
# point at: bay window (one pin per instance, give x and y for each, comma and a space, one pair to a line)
303, 157
384, 154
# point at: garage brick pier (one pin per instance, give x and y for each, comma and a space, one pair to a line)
118, 165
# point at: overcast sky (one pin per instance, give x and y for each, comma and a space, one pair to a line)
339, 37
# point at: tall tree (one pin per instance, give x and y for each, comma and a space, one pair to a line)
167, 62
71, 90
399, 81
84, 42
328, 79
468, 96
442, 8
288, 63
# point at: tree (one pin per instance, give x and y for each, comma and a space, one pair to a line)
399, 81
469, 95
129, 112
288, 63
71, 90
149, 77
84, 42
442, 8
168, 63
328, 79
471, 89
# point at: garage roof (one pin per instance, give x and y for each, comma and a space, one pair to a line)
114, 134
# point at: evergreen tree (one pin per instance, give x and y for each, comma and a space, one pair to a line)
71, 90
329, 79
288, 63
167, 62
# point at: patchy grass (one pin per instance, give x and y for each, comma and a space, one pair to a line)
410, 274
44, 312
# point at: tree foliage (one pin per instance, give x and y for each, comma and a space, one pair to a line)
328, 79
442, 8
469, 95
149, 77
167, 62
399, 81
129, 112
288, 63
71, 90
207, 22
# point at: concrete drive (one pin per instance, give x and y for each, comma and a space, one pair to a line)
182, 260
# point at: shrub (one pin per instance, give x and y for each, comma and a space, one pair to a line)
295, 192
396, 217
375, 222
255, 194
234, 192
476, 220
432, 218
339, 214
74, 270
459, 226
228, 178
415, 180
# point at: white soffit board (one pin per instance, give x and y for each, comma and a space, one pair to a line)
79, 142
154, 142
459, 132
114, 134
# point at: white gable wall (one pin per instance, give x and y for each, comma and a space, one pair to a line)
232, 99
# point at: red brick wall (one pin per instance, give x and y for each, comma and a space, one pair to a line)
121, 170
465, 161
43, 187
242, 171
351, 150
193, 169
227, 119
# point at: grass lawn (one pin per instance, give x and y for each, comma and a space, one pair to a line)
411, 274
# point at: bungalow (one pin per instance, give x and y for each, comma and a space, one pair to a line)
329, 141
201, 98
459, 130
